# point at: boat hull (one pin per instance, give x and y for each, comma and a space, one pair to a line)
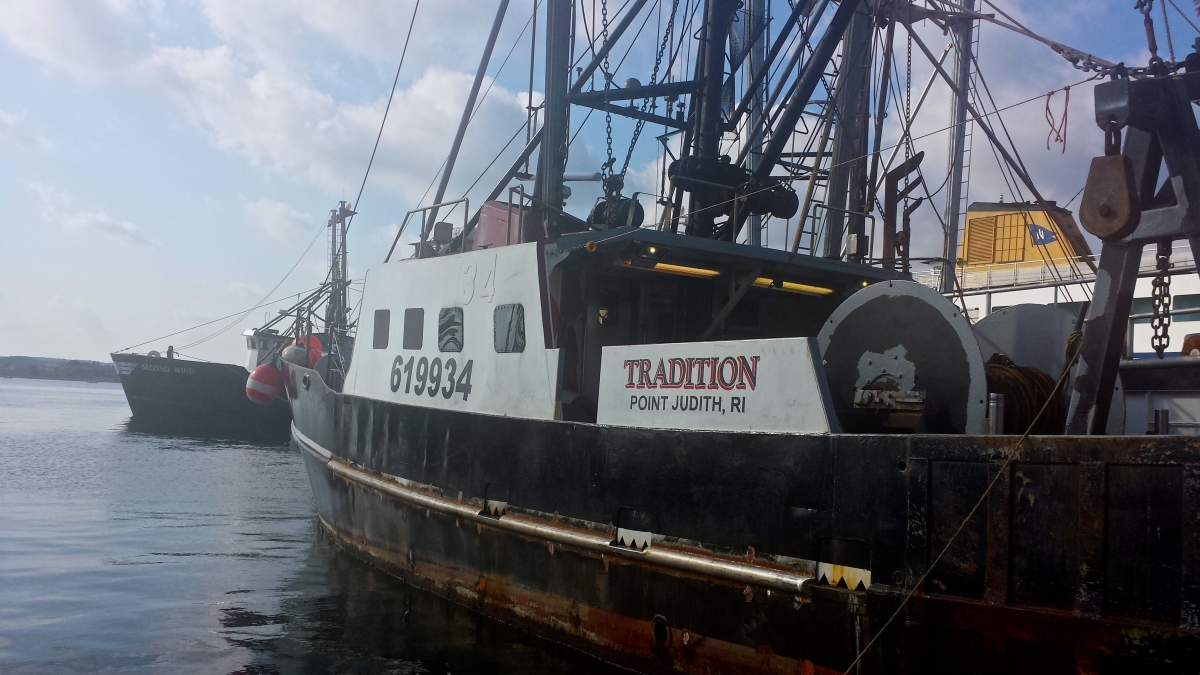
196, 398
1052, 570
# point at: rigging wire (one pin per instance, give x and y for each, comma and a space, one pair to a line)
914, 138
1185, 16
1002, 471
403, 53
363, 185
274, 288
478, 107
1072, 264
220, 318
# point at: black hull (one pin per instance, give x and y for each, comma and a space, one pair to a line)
1086, 558
196, 398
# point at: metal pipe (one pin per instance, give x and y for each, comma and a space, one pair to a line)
848, 158
806, 84
754, 88
468, 109
756, 68
995, 414
962, 31
694, 563
1162, 422
756, 130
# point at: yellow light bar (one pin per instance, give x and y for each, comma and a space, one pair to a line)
793, 287
686, 271
698, 272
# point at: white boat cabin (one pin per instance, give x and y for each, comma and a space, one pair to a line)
632, 327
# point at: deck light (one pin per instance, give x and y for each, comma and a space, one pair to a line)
699, 272
792, 287
684, 270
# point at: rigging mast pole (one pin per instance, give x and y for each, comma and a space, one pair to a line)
468, 111
756, 57
962, 28
848, 173
552, 160
718, 15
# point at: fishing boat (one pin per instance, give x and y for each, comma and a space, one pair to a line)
190, 396
678, 450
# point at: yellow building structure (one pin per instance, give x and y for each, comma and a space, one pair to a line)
1019, 240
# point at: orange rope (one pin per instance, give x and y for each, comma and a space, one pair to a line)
1058, 129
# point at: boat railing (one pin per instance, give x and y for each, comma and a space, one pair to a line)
426, 228
1007, 276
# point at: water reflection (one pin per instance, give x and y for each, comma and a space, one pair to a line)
340, 615
128, 551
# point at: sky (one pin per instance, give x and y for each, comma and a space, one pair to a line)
167, 163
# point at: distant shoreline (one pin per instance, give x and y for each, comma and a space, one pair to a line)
66, 370
109, 379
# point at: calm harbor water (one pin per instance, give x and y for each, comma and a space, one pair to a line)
123, 552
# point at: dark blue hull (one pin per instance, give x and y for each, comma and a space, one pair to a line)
1084, 559
196, 398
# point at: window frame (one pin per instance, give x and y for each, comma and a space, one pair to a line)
461, 329
516, 345
380, 339
413, 338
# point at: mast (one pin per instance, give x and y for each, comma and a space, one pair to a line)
962, 28
756, 57
337, 309
848, 173
552, 160
718, 14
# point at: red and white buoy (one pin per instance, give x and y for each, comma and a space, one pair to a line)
264, 384
313, 343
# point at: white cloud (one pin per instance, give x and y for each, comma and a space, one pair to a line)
280, 122
279, 221
58, 208
16, 130
88, 40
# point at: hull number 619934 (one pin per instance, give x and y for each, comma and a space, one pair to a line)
430, 376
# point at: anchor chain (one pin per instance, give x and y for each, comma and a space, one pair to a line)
606, 171
1160, 317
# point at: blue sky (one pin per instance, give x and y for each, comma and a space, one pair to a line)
164, 163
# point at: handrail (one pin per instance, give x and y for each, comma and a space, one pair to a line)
424, 228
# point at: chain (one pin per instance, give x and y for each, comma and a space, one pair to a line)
606, 169
1167, 30
1160, 318
907, 113
908, 96
651, 104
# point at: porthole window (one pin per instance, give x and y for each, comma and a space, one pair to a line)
414, 327
382, 326
509, 323
450, 329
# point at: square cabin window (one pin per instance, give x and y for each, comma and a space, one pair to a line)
382, 328
450, 329
509, 323
414, 326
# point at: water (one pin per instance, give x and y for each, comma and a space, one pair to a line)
125, 552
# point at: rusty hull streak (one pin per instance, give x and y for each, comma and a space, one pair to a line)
695, 563
622, 641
